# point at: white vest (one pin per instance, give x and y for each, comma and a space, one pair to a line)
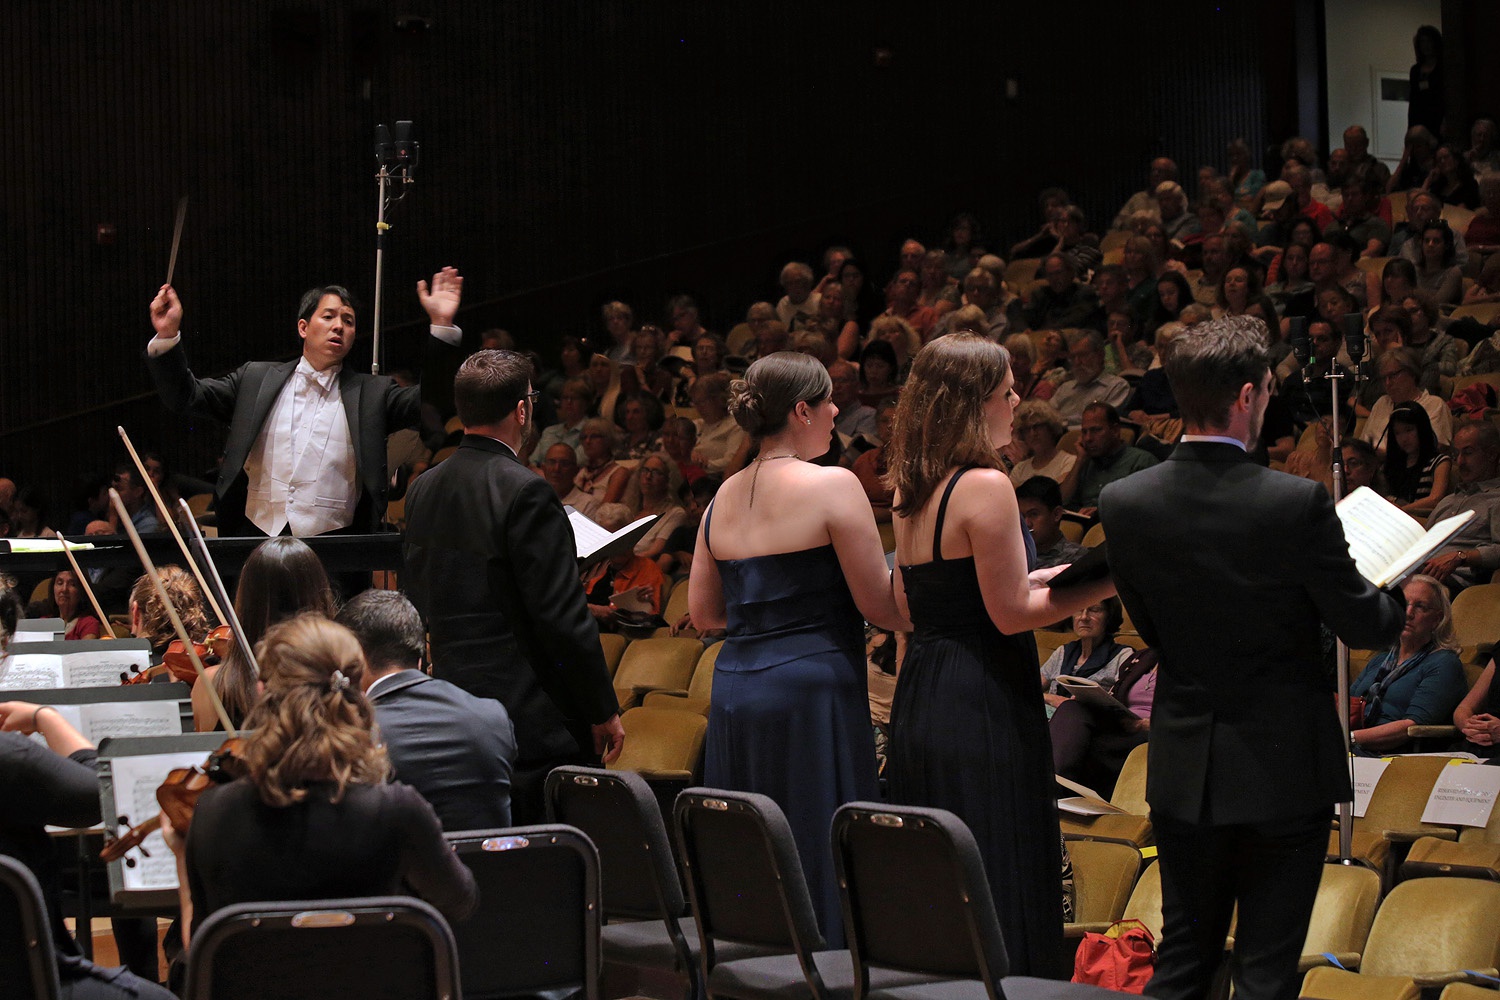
302, 468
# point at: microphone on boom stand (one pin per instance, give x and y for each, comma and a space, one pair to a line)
397, 154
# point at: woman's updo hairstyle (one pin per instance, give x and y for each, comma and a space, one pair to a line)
313, 724
762, 401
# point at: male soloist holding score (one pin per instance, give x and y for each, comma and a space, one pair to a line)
1228, 568
306, 449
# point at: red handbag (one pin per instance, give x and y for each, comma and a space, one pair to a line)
1122, 958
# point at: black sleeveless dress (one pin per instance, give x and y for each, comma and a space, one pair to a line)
969, 734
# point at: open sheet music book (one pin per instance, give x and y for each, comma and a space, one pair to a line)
1386, 543
595, 543
1090, 693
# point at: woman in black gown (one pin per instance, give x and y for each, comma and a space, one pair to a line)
968, 730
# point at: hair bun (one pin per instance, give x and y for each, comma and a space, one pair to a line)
747, 405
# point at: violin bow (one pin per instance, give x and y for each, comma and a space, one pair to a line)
172, 527
166, 600
83, 582
213, 570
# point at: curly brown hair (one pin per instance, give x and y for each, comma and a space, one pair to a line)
183, 589
313, 724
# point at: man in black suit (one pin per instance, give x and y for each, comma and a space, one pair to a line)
491, 563
1228, 569
454, 748
306, 449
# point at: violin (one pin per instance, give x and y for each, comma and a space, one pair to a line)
178, 797
177, 664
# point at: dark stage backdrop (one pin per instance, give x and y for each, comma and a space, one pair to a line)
572, 153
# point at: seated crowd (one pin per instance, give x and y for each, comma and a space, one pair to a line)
1381, 278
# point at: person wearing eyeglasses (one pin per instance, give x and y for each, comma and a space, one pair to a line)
1400, 373
306, 449
1417, 682
490, 562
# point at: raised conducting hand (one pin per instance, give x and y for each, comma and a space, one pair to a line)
442, 298
166, 313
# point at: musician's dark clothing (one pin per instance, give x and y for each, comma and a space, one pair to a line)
378, 840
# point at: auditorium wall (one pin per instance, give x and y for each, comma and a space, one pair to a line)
571, 153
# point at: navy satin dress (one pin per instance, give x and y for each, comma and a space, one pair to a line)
790, 714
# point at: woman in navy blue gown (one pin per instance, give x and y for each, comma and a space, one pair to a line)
968, 729
789, 562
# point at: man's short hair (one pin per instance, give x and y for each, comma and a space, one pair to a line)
795, 269
1486, 433
1364, 449
1067, 262
978, 278
1087, 338
1110, 414
388, 627
1212, 362
1043, 489
313, 296
489, 385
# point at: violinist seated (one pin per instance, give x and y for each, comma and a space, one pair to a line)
149, 619
282, 578
68, 603
314, 816
53, 785
457, 749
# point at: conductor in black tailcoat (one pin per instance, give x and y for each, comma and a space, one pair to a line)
491, 563
1228, 568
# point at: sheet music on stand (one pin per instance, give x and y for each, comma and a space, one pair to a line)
130, 770
73, 664
133, 710
39, 630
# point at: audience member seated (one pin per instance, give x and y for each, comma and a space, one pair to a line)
1089, 744
939, 291
641, 416
1239, 289
799, 305
1478, 716
719, 437
601, 477
572, 363
861, 302
657, 484
1442, 352
1300, 178
1088, 382
1359, 158
91, 502
1437, 271
1173, 294
1361, 465
869, 468
877, 374
1451, 178
1063, 302
560, 469
1172, 210
28, 514
604, 380
1152, 404
962, 241
1483, 154
645, 374
619, 323
1422, 209
1162, 169
1094, 655
281, 579
1483, 234
1291, 280
67, 601
1418, 683
1040, 501
683, 326
317, 790
1474, 553
1039, 427
1417, 468
679, 436
457, 750
758, 317
830, 320
855, 419
901, 301
1400, 372
678, 557
148, 615
1031, 381
573, 407
981, 290
619, 573
1104, 458
1357, 217
903, 340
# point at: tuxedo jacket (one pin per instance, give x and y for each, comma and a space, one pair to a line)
1228, 569
374, 405
491, 563
456, 749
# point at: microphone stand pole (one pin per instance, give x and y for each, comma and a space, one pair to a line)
383, 182
1346, 809
397, 156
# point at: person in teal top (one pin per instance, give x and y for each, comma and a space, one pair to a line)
1420, 681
